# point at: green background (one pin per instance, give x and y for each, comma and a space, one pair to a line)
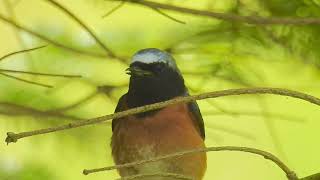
212, 55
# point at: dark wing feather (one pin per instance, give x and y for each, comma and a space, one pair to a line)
194, 109
121, 106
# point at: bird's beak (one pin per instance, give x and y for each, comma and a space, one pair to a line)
137, 71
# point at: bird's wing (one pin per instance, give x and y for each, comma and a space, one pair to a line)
197, 117
121, 106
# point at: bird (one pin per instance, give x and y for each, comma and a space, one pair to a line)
155, 77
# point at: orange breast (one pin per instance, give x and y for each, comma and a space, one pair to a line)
167, 131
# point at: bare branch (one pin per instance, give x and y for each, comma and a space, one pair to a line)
109, 52
40, 74
10, 109
13, 137
230, 17
114, 9
33, 73
10, 9
57, 44
26, 81
290, 174
22, 51
168, 175
168, 16
312, 177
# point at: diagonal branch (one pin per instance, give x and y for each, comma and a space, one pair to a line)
230, 17
26, 81
290, 174
55, 43
114, 9
13, 137
168, 16
40, 74
109, 52
10, 109
22, 51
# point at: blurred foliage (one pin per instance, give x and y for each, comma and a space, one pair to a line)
212, 55
28, 173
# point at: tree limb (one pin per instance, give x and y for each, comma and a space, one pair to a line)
55, 43
167, 175
22, 51
291, 175
13, 137
26, 81
109, 52
230, 17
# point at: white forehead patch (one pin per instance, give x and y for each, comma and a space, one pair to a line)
152, 55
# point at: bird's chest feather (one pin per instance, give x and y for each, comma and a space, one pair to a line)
166, 131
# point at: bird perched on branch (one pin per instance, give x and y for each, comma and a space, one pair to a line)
155, 77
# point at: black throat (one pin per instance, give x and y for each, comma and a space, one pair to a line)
149, 90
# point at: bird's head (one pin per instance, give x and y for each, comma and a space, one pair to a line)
152, 63
154, 77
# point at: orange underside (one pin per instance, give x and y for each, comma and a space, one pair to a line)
169, 130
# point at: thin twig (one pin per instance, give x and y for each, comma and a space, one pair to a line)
166, 175
40, 74
26, 81
22, 51
114, 9
312, 177
230, 17
8, 5
20, 110
13, 137
168, 16
290, 174
57, 44
109, 52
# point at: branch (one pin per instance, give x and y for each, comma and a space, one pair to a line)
168, 175
33, 73
13, 137
12, 15
168, 16
312, 177
290, 174
18, 110
26, 81
22, 51
40, 74
57, 44
230, 17
109, 52
114, 9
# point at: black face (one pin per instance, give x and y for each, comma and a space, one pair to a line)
151, 83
